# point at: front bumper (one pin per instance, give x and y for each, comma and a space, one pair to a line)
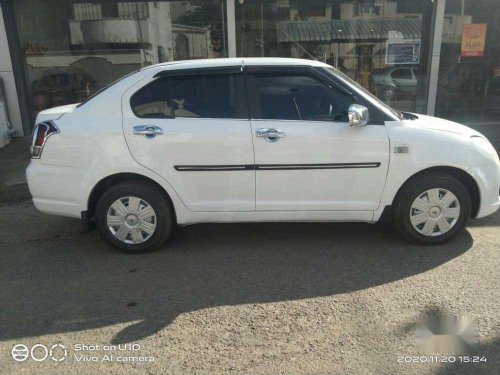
488, 178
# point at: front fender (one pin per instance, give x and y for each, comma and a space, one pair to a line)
426, 149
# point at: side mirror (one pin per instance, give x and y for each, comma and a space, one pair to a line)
358, 115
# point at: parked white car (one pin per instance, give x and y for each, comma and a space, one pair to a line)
255, 139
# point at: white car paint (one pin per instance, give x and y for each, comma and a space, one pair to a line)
95, 142
55, 113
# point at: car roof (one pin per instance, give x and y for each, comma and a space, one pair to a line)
224, 62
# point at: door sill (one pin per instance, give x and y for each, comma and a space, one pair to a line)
279, 216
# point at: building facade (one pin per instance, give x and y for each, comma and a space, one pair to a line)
440, 57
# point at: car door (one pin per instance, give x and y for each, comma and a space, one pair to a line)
307, 156
192, 128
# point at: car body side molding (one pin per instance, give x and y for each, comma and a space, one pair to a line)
274, 167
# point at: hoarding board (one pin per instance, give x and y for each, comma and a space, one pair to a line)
473, 39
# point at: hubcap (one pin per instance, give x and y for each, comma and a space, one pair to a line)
434, 212
131, 220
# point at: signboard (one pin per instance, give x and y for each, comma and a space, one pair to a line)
473, 39
402, 51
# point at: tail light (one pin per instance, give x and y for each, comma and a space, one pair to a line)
40, 135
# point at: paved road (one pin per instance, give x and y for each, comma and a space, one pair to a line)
253, 298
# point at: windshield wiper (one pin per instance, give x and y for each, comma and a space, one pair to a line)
408, 116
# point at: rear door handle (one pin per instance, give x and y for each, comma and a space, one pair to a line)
148, 131
270, 134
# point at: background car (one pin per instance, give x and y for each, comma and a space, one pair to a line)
389, 82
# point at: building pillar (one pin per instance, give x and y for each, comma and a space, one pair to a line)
231, 28
437, 38
9, 83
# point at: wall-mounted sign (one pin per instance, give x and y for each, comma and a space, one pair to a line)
402, 51
473, 39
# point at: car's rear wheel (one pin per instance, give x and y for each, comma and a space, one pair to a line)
134, 217
433, 208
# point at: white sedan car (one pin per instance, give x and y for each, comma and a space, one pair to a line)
255, 139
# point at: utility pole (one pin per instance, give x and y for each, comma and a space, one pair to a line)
223, 29
231, 28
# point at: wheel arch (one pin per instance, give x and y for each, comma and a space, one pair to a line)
117, 178
465, 178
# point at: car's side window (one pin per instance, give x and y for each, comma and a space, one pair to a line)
209, 96
297, 97
401, 74
152, 101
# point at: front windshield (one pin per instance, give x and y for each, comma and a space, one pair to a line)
358, 87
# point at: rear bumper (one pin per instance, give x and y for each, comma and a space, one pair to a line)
59, 190
488, 178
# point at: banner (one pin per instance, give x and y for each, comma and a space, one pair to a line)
473, 39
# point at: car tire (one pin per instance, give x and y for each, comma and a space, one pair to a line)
431, 209
142, 214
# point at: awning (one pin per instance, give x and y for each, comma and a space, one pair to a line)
347, 30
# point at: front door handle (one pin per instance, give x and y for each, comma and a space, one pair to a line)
148, 131
270, 134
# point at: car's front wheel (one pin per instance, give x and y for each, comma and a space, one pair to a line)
134, 217
388, 92
431, 209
